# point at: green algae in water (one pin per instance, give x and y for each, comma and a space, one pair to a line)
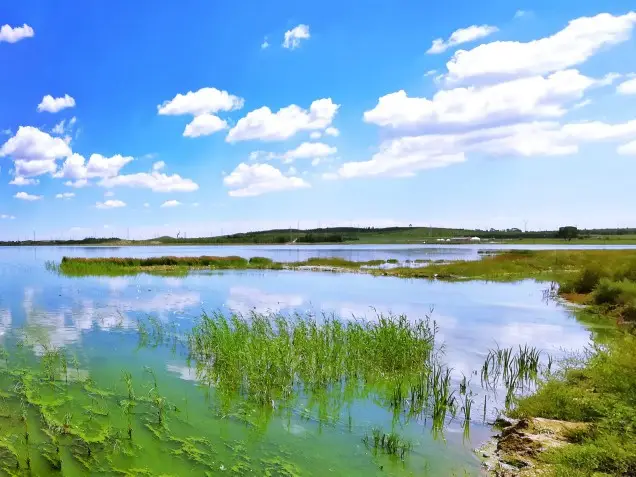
80, 424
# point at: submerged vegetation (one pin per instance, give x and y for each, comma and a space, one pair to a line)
57, 420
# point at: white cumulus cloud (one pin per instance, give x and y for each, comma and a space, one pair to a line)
573, 45
203, 105
53, 105
627, 87
628, 149
110, 204
463, 35
7, 217
510, 101
256, 179
21, 181
331, 131
205, 100
34, 152
14, 34
404, 156
309, 150
265, 125
204, 125
171, 203
98, 166
159, 165
65, 195
294, 36
78, 184
155, 181
27, 196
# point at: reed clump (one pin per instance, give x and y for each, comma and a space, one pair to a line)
390, 443
271, 360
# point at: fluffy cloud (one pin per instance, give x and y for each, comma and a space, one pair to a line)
14, 34
309, 150
573, 45
627, 87
401, 158
404, 156
78, 184
26, 196
34, 152
110, 204
628, 149
7, 217
315, 135
155, 181
265, 125
202, 104
65, 195
159, 165
463, 35
256, 179
98, 166
204, 125
30, 143
205, 100
53, 105
331, 131
507, 102
265, 44
21, 181
294, 36
171, 203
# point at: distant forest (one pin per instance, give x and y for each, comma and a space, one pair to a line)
348, 234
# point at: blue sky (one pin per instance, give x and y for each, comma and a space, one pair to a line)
202, 117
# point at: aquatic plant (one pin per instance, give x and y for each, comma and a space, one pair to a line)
390, 443
267, 357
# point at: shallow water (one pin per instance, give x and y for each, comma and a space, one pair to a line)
96, 317
295, 253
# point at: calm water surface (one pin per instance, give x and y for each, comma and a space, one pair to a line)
96, 317
292, 253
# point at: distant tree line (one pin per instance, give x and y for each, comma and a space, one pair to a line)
84, 241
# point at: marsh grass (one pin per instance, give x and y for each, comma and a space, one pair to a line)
114, 266
390, 443
598, 389
515, 370
549, 265
272, 360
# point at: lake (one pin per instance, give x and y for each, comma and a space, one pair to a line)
95, 319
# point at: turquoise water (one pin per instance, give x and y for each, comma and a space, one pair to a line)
96, 318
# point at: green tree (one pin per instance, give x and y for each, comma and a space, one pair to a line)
568, 233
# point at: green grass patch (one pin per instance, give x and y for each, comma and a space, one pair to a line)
599, 390
557, 265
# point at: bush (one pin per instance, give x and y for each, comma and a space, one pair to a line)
261, 261
627, 272
617, 293
589, 278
